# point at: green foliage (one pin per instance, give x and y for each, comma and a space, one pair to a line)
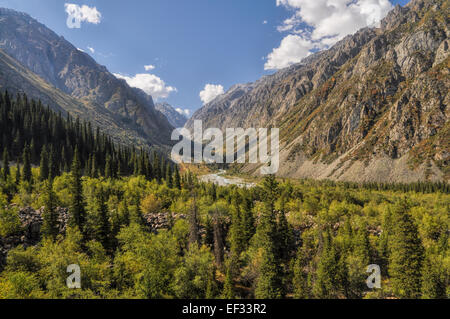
406, 254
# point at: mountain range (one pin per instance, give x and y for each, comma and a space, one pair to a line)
44, 65
175, 118
374, 107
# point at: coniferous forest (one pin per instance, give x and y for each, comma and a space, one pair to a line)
139, 228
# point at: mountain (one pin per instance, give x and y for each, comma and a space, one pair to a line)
15, 78
76, 74
175, 119
374, 107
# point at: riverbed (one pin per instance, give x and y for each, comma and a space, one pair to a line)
220, 180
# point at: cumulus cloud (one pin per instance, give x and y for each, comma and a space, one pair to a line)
210, 92
91, 49
149, 67
292, 49
77, 14
184, 112
318, 24
150, 84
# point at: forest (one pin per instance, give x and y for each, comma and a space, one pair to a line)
138, 227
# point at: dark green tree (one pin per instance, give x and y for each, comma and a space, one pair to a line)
44, 167
50, 227
77, 210
5, 171
406, 254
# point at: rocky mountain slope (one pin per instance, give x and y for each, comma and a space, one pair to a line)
16, 78
175, 119
374, 107
75, 73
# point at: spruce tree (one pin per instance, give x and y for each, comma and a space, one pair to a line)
50, 228
77, 218
43, 168
169, 179
6, 170
269, 284
406, 254
102, 216
228, 287
177, 180
26, 174
108, 167
300, 278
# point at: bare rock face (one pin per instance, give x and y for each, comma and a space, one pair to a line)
75, 73
374, 107
175, 119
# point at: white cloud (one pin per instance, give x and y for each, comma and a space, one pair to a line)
265, 22
149, 67
77, 14
184, 112
292, 49
150, 84
319, 24
91, 49
210, 92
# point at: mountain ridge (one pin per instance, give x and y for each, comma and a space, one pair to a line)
77, 74
175, 118
374, 107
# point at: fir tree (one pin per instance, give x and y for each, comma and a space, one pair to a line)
77, 210
44, 172
50, 227
177, 181
406, 254
27, 176
5, 171
300, 279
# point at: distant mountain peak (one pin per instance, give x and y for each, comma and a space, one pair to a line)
175, 118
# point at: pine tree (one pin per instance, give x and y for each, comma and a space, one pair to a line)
6, 170
77, 218
103, 224
435, 279
300, 279
108, 167
177, 181
50, 228
228, 287
406, 254
27, 176
53, 164
169, 179
18, 177
44, 171
269, 284
236, 234
326, 284
284, 237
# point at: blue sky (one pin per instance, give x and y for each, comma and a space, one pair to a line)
192, 44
